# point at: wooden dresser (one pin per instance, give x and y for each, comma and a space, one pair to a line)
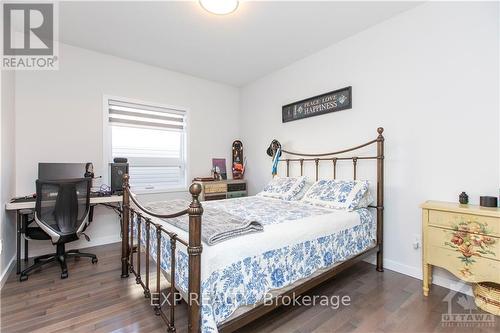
223, 189
463, 239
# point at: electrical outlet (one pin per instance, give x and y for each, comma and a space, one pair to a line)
417, 243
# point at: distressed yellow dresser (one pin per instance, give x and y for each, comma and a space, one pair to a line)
223, 189
463, 239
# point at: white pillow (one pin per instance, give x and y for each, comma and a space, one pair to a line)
366, 200
337, 194
303, 191
284, 188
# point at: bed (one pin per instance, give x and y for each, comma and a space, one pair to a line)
225, 284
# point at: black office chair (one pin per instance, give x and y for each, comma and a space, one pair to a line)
61, 213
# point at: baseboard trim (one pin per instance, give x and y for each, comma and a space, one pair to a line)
95, 241
8, 270
443, 281
403, 269
452, 284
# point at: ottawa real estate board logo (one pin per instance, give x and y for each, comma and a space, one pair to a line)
30, 35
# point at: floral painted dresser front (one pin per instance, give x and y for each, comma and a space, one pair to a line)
463, 239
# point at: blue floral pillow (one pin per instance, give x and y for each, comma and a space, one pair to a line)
337, 194
284, 188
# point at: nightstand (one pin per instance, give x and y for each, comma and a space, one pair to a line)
223, 189
463, 239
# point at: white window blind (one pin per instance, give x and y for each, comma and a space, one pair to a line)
152, 138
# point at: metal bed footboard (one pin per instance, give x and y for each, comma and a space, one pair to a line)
193, 245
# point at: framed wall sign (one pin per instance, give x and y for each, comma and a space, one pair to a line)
332, 101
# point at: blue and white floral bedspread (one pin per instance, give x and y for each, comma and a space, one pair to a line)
246, 281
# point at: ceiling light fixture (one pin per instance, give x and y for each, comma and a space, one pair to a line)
219, 7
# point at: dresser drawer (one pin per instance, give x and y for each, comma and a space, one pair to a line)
215, 197
235, 187
480, 271
469, 247
469, 223
237, 194
216, 188
471, 257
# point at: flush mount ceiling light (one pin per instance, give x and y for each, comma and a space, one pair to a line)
219, 7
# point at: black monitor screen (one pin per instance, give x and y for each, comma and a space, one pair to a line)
56, 171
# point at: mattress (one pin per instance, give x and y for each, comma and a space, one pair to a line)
298, 241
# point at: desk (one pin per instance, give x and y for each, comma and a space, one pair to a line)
23, 208
30, 204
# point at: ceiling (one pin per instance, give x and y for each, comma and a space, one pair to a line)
259, 38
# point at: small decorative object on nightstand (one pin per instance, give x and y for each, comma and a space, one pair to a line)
238, 166
464, 240
216, 173
485, 201
223, 189
463, 198
219, 167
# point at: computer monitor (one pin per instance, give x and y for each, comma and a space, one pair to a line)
56, 171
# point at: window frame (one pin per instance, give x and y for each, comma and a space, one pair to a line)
107, 143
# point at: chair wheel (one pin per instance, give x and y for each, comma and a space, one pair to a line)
23, 277
64, 275
94, 260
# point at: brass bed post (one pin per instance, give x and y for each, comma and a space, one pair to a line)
125, 226
131, 259
138, 278
380, 200
157, 306
147, 292
354, 166
194, 250
334, 160
171, 327
316, 160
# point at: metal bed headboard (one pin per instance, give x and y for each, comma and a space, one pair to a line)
334, 158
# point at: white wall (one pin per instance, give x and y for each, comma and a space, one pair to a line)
430, 77
7, 171
59, 117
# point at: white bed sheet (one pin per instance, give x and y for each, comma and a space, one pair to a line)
274, 236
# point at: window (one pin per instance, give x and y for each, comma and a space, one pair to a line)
153, 139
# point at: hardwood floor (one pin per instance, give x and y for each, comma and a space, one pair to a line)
95, 299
